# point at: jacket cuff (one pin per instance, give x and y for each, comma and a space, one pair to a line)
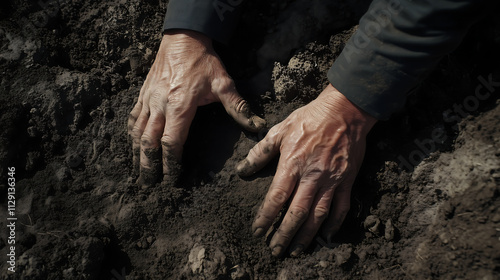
395, 46
217, 19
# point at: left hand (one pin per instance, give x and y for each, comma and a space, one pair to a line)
322, 146
186, 74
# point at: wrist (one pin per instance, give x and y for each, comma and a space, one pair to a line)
187, 36
337, 105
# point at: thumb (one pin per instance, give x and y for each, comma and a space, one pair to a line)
236, 106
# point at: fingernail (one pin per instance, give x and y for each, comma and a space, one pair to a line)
258, 232
243, 168
296, 250
258, 122
241, 165
277, 250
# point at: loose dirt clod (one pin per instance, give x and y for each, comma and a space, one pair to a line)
372, 224
389, 230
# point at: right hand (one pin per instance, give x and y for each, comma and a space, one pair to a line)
187, 73
321, 147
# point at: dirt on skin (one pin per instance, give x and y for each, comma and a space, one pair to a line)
426, 204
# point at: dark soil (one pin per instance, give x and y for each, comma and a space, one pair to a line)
426, 204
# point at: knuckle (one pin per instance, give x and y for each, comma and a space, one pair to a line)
241, 106
260, 149
274, 135
168, 141
263, 219
132, 117
136, 132
147, 141
273, 131
299, 213
131, 122
278, 196
138, 105
321, 213
253, 153
284, 235
223, 84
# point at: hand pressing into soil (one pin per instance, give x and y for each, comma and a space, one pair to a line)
322, 146
187, 73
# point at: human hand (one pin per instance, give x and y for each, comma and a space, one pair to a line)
322, 146
187, 73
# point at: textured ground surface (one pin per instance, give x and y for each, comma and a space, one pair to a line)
426, 204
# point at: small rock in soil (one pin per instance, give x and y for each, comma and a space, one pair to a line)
196, 258
372, 224
342, 254
389, 230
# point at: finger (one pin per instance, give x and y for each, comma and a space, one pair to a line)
260, 154
150, 162
180, 115
132, 118
297, 214
341, 204
321, 209
236, 106
281, 188
136, 123
136, 111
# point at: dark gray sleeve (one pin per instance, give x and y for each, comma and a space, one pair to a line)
215, 18
396, 44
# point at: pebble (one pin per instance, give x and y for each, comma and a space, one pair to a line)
143, 244
196, 259
372, 224
150, 239
389, 230
238, 272
342, 254
444, 237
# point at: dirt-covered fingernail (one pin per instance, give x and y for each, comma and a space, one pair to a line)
148, 178
150, 169
296, 250
277, 250
258, 123
244, 168
258, 232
